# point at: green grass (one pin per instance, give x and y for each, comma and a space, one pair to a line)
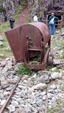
4, 26
58, 107
57, 70
5, 53
28, 19
24, 70
54, 110
48, 67
49, 111
62, 88
37, 58
62, 44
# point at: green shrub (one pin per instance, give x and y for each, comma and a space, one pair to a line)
24, 70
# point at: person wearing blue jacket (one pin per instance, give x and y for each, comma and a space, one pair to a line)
52, 22
41, 20
11, 20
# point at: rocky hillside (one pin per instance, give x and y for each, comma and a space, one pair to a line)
43, 7
54, 5
9, 7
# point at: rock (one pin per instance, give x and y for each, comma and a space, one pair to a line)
44, 97
20, 86
53, 86
13, 80
51, 91
53, 69
1, 95
56, 61
44, 79
5, 69
54, 99
25, 77
6, 93
8, 89
40, 86
15, 103
62, 34
50, 96
56, 75
27, 108
4, 83
20, 110
9, 64
57, 31
1, 43
11, 108
39, 102
3, 63
1, 38
3, 102
41, 110
61, 53
43, 93
2, 55
62, 109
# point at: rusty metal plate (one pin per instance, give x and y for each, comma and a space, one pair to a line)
38, 33
13, 37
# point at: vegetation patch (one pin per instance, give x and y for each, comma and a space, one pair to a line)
62, 88
48, 67
36, 58
5, 53
4, 26
24, 70
58, 107
57, 70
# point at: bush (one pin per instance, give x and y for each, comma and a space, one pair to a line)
24, 70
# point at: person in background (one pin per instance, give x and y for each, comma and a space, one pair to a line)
41, 20
52, 23
19, 2
35, 18
11, 20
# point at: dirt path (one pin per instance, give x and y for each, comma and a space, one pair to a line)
22, 17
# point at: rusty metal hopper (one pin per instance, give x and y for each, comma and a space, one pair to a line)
32, 37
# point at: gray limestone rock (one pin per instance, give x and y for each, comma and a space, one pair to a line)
40, 86
11, 108
56, 75
1, 38
1, 43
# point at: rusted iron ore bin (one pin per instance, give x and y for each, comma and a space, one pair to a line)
28, 41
